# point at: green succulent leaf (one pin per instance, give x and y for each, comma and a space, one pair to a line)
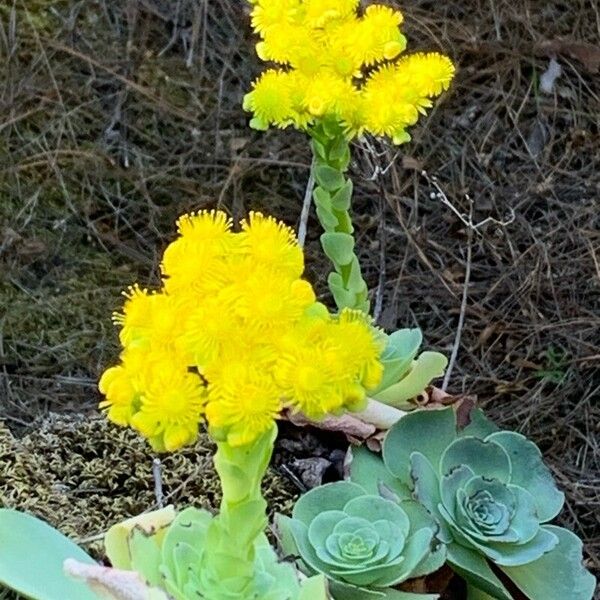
401, 348
479, 426
360, 539
529, 472
429, 432
556, 575
427, 367
474, 593
339, 247
314, 588
486, 459
345, 591
490, 494
342, 198
473, 567
328, 178
332, 496
368, 470
339, 148
341, 295
427, 490
117, 539
31, 559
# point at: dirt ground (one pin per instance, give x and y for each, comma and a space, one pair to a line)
119, 115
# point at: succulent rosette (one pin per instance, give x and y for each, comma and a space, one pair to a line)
492, 497
363, 543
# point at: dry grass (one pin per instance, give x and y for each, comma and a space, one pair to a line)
117, 116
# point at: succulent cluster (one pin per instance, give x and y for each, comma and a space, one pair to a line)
363, 543
492, 498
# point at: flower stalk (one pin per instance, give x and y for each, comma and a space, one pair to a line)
333, 197
242, 516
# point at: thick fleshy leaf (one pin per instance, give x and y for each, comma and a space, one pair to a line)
480, 517
31, 559
485, 459
368, 470
323, 525
152, 524
557, 575
341, 295
285, 538
451, 483
480, 426
190, 527
376, 508
401, 348
416, 549
331, 496
419, 518
429, 432
299, 531
345, 591
329, 178
342, 198
517, 554
530, 473
145, 556
338, 246
427, 491
473, 567
474, 593
525, 521
495, 489
314, 588
426, 368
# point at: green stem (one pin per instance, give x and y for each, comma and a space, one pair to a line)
242, 518
332, 197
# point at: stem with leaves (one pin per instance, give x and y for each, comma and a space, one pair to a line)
242, 517
332, 197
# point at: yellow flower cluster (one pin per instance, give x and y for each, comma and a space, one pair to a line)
234, 335
336, 63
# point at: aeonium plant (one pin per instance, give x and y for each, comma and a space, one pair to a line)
364, 543
492, 498
233, 337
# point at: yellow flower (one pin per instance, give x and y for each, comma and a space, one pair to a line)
378, 35
273, 13
317, 13
328, 93
428, 74
244, 403
209, 326
235, 335
327, 49
269, 242
193, 261
359, 346
118, 386
171, 407
271, 100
